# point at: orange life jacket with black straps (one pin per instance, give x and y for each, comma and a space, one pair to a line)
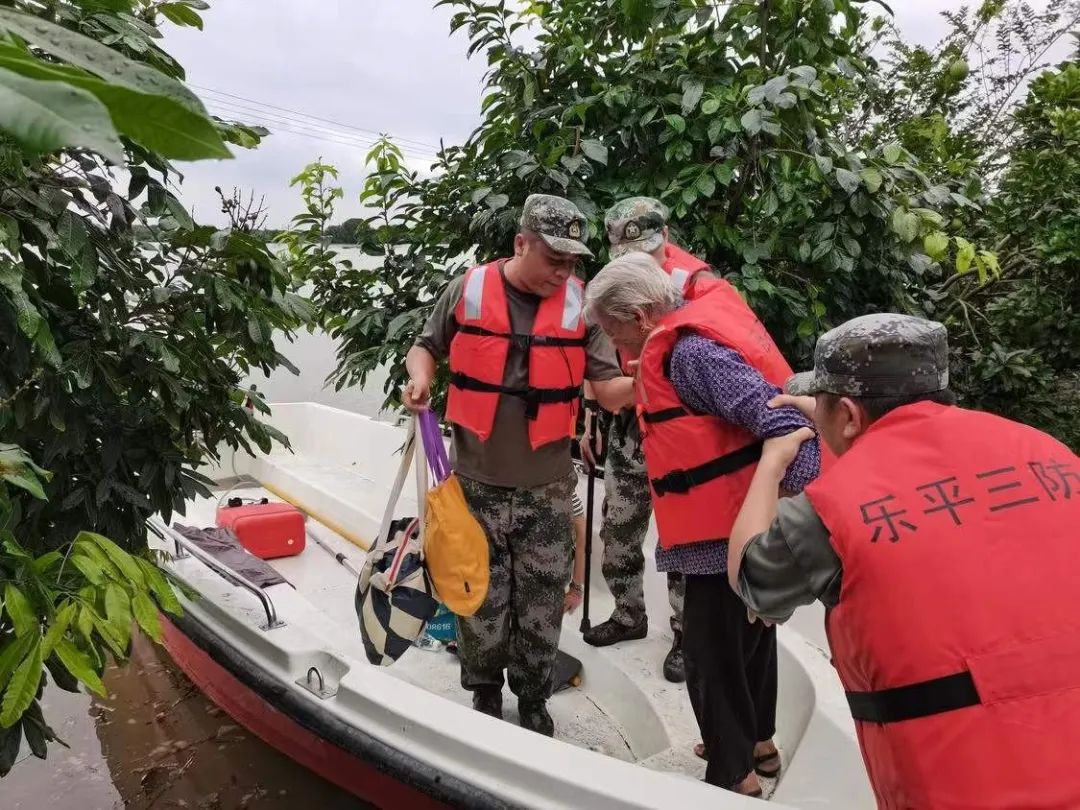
957, 635
479, 349
699, 465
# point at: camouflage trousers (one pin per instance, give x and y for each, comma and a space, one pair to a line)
627, 508
531, 542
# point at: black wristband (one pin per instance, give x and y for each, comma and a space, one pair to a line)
592, 404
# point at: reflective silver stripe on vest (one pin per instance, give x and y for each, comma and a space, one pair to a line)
571, 313
474, 293
679, 277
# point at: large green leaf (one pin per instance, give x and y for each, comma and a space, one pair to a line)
43, 116
18, 469
116, 555
18, 607
146, 614
59, 626
99, 59
158, 122
12, 653
905, 224
118, 610
161, 588
595, 150
181, 14
76, 662
22, 687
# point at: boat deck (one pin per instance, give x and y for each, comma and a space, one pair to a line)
624, 708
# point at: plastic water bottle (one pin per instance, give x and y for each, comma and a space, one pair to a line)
426, 642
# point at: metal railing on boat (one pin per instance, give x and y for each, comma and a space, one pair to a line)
185, 548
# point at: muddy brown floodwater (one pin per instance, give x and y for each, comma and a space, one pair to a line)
157, 742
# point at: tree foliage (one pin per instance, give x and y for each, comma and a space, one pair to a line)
125, 331
984, 111
732, 114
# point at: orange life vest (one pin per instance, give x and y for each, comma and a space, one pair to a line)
957, 634
699, 466
691, 275
479, 349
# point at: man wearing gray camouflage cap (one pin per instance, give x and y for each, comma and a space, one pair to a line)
639, 224
942, 543
519, 350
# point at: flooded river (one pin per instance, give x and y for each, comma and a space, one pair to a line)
157, 742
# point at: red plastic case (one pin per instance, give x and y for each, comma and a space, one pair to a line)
267, 530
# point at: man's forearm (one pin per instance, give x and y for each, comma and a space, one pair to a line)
615, 394
420, 363
756, 515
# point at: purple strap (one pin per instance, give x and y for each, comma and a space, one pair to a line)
434, 448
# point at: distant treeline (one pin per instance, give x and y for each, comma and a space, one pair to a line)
349, 232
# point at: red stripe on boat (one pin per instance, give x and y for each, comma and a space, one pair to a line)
277, 729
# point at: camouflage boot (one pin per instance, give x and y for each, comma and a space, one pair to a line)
674, 668
534, 716
488, 700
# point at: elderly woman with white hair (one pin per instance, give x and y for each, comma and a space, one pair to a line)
707, 370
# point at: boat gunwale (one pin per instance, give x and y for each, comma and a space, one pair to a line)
395, 763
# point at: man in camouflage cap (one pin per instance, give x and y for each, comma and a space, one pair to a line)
637, 223
883, 355
916, 541
558, 222
497, 324
640, 224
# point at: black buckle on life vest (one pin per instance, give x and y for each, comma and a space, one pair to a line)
520, 340
533, 397
923, 699
679, 482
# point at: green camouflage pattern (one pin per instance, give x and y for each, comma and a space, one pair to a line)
636, 223
558, 222
881, 355
531, 543
626, 512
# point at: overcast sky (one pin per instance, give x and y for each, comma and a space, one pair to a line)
369, 66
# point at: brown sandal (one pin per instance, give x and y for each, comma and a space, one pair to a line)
759, 761
699, 751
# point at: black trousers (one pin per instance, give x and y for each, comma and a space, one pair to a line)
731, 677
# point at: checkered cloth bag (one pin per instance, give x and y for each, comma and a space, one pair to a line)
395, 597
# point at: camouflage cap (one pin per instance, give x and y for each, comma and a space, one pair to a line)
636, 223
558, 222
882, 355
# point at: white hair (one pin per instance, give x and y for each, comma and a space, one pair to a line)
631, 285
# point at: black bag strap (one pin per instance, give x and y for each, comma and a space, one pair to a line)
680, 482
915, 700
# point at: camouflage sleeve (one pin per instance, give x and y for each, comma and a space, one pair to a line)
790, 565
601, 362
440, 327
